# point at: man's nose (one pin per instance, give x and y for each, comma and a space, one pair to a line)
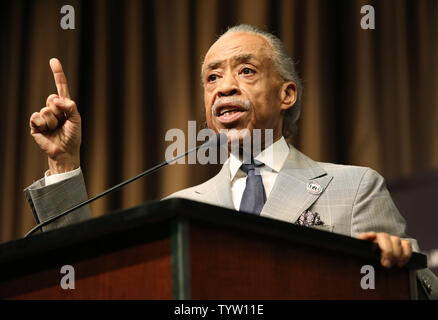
229, 87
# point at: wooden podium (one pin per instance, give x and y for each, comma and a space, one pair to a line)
180, 249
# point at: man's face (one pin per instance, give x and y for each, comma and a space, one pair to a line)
242, 89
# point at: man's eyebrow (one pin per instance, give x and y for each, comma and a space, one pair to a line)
214, 64
243, 57
237, 58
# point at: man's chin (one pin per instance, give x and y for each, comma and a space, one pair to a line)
237, 134
250, 141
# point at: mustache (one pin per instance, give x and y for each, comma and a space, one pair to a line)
245, 104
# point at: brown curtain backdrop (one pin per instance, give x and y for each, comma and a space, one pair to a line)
370, 96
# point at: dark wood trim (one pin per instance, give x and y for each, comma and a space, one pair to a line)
183, 249
17, 254
180, 256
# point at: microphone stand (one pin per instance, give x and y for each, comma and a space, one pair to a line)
218, 138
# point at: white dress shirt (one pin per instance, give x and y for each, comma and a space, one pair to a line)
273, 157
53, 178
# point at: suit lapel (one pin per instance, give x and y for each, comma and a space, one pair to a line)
289, 197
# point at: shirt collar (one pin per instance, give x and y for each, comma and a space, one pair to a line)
273, 156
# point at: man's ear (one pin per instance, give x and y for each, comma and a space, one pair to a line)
288, 95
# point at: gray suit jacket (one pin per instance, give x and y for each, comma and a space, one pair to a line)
354, 199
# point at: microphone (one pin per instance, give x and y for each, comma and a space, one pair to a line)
214, 141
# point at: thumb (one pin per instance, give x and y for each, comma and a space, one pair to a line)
68, 107
41, 140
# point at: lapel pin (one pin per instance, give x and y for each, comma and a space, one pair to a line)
314, 188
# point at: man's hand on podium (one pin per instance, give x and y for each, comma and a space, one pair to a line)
395, 251
56, 128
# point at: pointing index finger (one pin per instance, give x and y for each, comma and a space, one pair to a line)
60, 79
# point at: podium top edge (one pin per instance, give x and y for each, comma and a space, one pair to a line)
175, 209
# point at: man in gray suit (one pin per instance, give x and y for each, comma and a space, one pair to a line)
249, 83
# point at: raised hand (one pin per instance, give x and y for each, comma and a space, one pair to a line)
56, 128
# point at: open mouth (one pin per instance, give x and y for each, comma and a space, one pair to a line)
227, 114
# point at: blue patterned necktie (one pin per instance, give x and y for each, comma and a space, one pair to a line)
254, 195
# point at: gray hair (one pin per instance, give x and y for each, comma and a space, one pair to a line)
285, 67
